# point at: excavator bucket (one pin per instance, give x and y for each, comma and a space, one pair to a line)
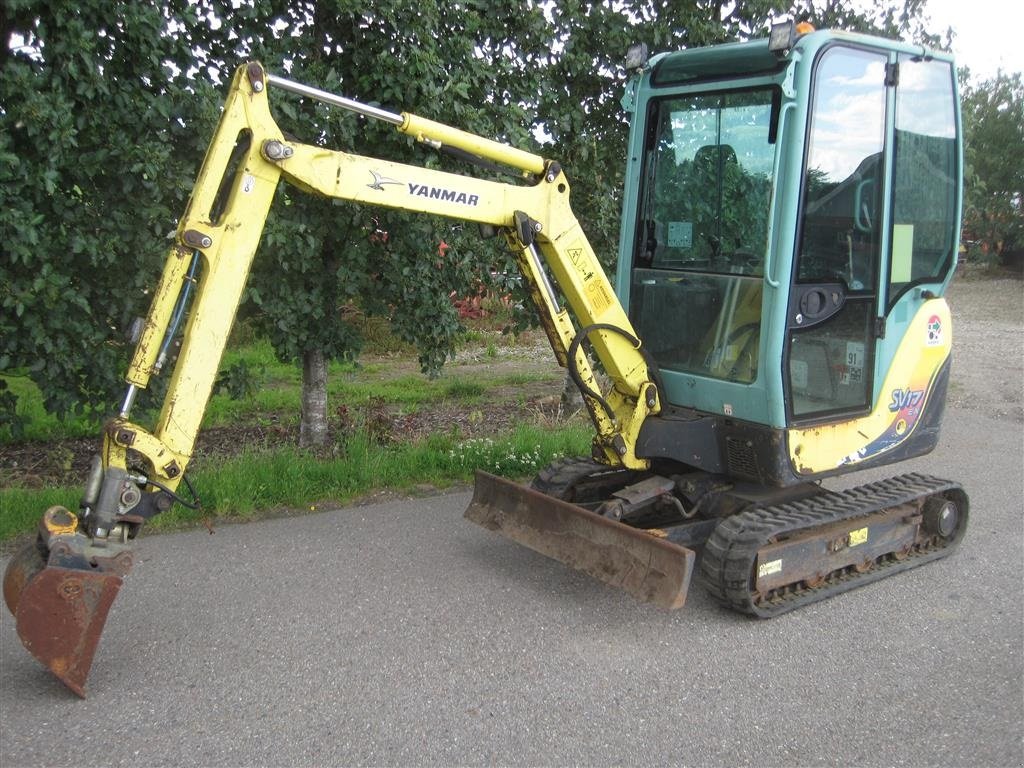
60, 607
649, 568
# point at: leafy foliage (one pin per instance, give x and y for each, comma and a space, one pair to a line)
901, 19
96, 117
240, 380
327, 260
993, 114
106, 107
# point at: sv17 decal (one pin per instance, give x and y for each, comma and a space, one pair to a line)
905, 398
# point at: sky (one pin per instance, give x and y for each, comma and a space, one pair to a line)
987, 33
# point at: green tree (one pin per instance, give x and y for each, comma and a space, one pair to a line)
993, 116
459, 62
96, 114
105, 108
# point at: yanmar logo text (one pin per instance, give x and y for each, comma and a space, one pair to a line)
439, 193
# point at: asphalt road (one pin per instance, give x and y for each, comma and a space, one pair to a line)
398, 634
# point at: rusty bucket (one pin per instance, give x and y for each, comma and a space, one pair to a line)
649, 568
60, 605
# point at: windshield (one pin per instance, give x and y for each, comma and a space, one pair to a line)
709, 182
696, 281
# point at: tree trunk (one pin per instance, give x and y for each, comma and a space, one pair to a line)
571, 400
313, 428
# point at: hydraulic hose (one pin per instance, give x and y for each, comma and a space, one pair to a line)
652, 366
179, 311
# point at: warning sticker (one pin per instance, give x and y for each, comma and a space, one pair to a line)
767, 569
680, 234
860, 536
578, 256
598, 296
934, 331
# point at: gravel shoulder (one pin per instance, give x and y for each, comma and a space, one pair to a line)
988, 347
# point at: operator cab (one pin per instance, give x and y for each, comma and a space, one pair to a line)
788, 216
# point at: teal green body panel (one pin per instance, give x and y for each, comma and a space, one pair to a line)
765, 396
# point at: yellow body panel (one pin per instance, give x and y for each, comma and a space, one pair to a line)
905, 392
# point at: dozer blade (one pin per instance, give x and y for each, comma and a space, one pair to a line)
650, 569
60, 611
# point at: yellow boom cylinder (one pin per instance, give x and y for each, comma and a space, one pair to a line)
428, 131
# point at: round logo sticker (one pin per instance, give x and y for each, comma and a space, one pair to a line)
934, 331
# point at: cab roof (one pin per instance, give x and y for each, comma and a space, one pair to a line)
753, 58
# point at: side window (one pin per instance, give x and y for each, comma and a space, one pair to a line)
710, 164
843, 183
925, 169
697, 283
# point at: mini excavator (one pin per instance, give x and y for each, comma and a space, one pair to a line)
790, 222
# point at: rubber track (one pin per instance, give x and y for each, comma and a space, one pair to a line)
727, 564
565, 476
558, 478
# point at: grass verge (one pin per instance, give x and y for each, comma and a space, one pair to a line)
273, 387
288, 479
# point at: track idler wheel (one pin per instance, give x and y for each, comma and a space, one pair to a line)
941, 517
60, 601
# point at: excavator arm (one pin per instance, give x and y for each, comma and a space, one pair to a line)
61, 588
225, 217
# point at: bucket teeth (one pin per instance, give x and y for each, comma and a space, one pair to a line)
650, 569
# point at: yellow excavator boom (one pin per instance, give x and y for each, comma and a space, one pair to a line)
62, 586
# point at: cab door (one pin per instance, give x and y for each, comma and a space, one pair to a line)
835, 292
868, 332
